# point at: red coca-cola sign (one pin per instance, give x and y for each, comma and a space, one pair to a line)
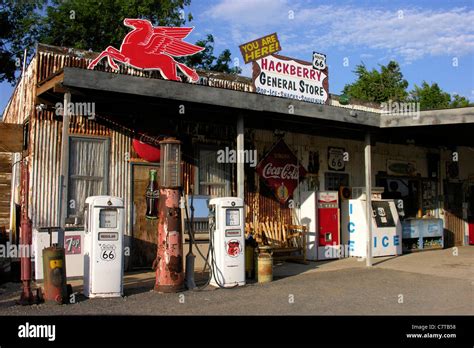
281, 171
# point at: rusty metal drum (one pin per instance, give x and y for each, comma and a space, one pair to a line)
264, 265
54, 270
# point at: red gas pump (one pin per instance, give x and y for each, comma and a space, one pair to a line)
328, 225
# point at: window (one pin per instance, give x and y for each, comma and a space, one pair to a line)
214, 178
333, 181
88, 163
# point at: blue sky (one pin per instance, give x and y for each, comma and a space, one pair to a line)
432, 40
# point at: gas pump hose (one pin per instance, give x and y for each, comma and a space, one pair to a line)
212, 266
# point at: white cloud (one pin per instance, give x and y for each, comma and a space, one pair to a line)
254, 13
417, 34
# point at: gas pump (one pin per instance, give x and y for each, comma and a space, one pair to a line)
227, 241
104, 218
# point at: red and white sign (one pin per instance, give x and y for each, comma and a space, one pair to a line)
280, 171
328, 197
233, 248
286, 77
152, 48
72, 244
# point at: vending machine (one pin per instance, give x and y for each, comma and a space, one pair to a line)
308, 218
328, 225
104, 222
386, 226
320, 213
227, 241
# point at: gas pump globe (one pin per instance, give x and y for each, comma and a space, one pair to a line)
170, 163
169, 258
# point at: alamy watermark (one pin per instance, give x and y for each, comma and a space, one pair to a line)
228, 155
394, 108
10, 250
77, 109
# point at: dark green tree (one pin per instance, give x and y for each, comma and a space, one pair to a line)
460, 102
205, 60
88, 24
378, 86
430, 97
19, 29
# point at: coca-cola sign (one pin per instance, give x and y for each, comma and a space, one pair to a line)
281, 171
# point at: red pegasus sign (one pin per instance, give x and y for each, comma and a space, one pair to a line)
152, 48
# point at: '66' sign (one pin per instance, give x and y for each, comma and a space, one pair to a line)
336, 160
281, 171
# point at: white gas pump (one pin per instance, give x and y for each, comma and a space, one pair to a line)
104, 218
226, 235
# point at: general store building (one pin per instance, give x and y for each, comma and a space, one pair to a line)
218, 112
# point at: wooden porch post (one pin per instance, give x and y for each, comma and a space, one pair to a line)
63, 176
240, 158
368, 190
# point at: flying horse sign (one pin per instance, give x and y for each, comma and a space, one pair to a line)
152, 48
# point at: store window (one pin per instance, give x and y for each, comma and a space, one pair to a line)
88, 164
333, 181
214, 178
419, 195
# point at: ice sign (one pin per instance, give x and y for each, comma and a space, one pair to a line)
108, 218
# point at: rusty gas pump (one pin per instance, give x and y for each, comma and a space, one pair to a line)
169, 259
26, 296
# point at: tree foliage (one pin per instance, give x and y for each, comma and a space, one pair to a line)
430, 97
97, 24
378, 86
460, 102
205, 60
89, 24
19, 29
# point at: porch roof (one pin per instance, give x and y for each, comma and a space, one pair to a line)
448, 127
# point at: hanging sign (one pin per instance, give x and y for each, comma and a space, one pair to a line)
281, 171
406, 168
260, 48
152, 48
286, 77
336, 159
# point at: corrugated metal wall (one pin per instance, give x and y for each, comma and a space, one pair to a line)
46, 141
46, 158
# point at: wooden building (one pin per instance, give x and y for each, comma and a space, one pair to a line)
219, 112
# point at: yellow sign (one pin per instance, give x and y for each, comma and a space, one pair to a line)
260, 48
55, 264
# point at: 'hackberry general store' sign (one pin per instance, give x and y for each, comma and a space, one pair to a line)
286, 77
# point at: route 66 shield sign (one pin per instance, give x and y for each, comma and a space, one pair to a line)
319, 61
336, 159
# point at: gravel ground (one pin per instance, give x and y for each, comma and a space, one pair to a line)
352, 291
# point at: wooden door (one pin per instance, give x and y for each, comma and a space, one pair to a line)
144, 231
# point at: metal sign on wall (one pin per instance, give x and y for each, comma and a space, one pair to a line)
281, 171
286, 77
152, 48
336, 159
